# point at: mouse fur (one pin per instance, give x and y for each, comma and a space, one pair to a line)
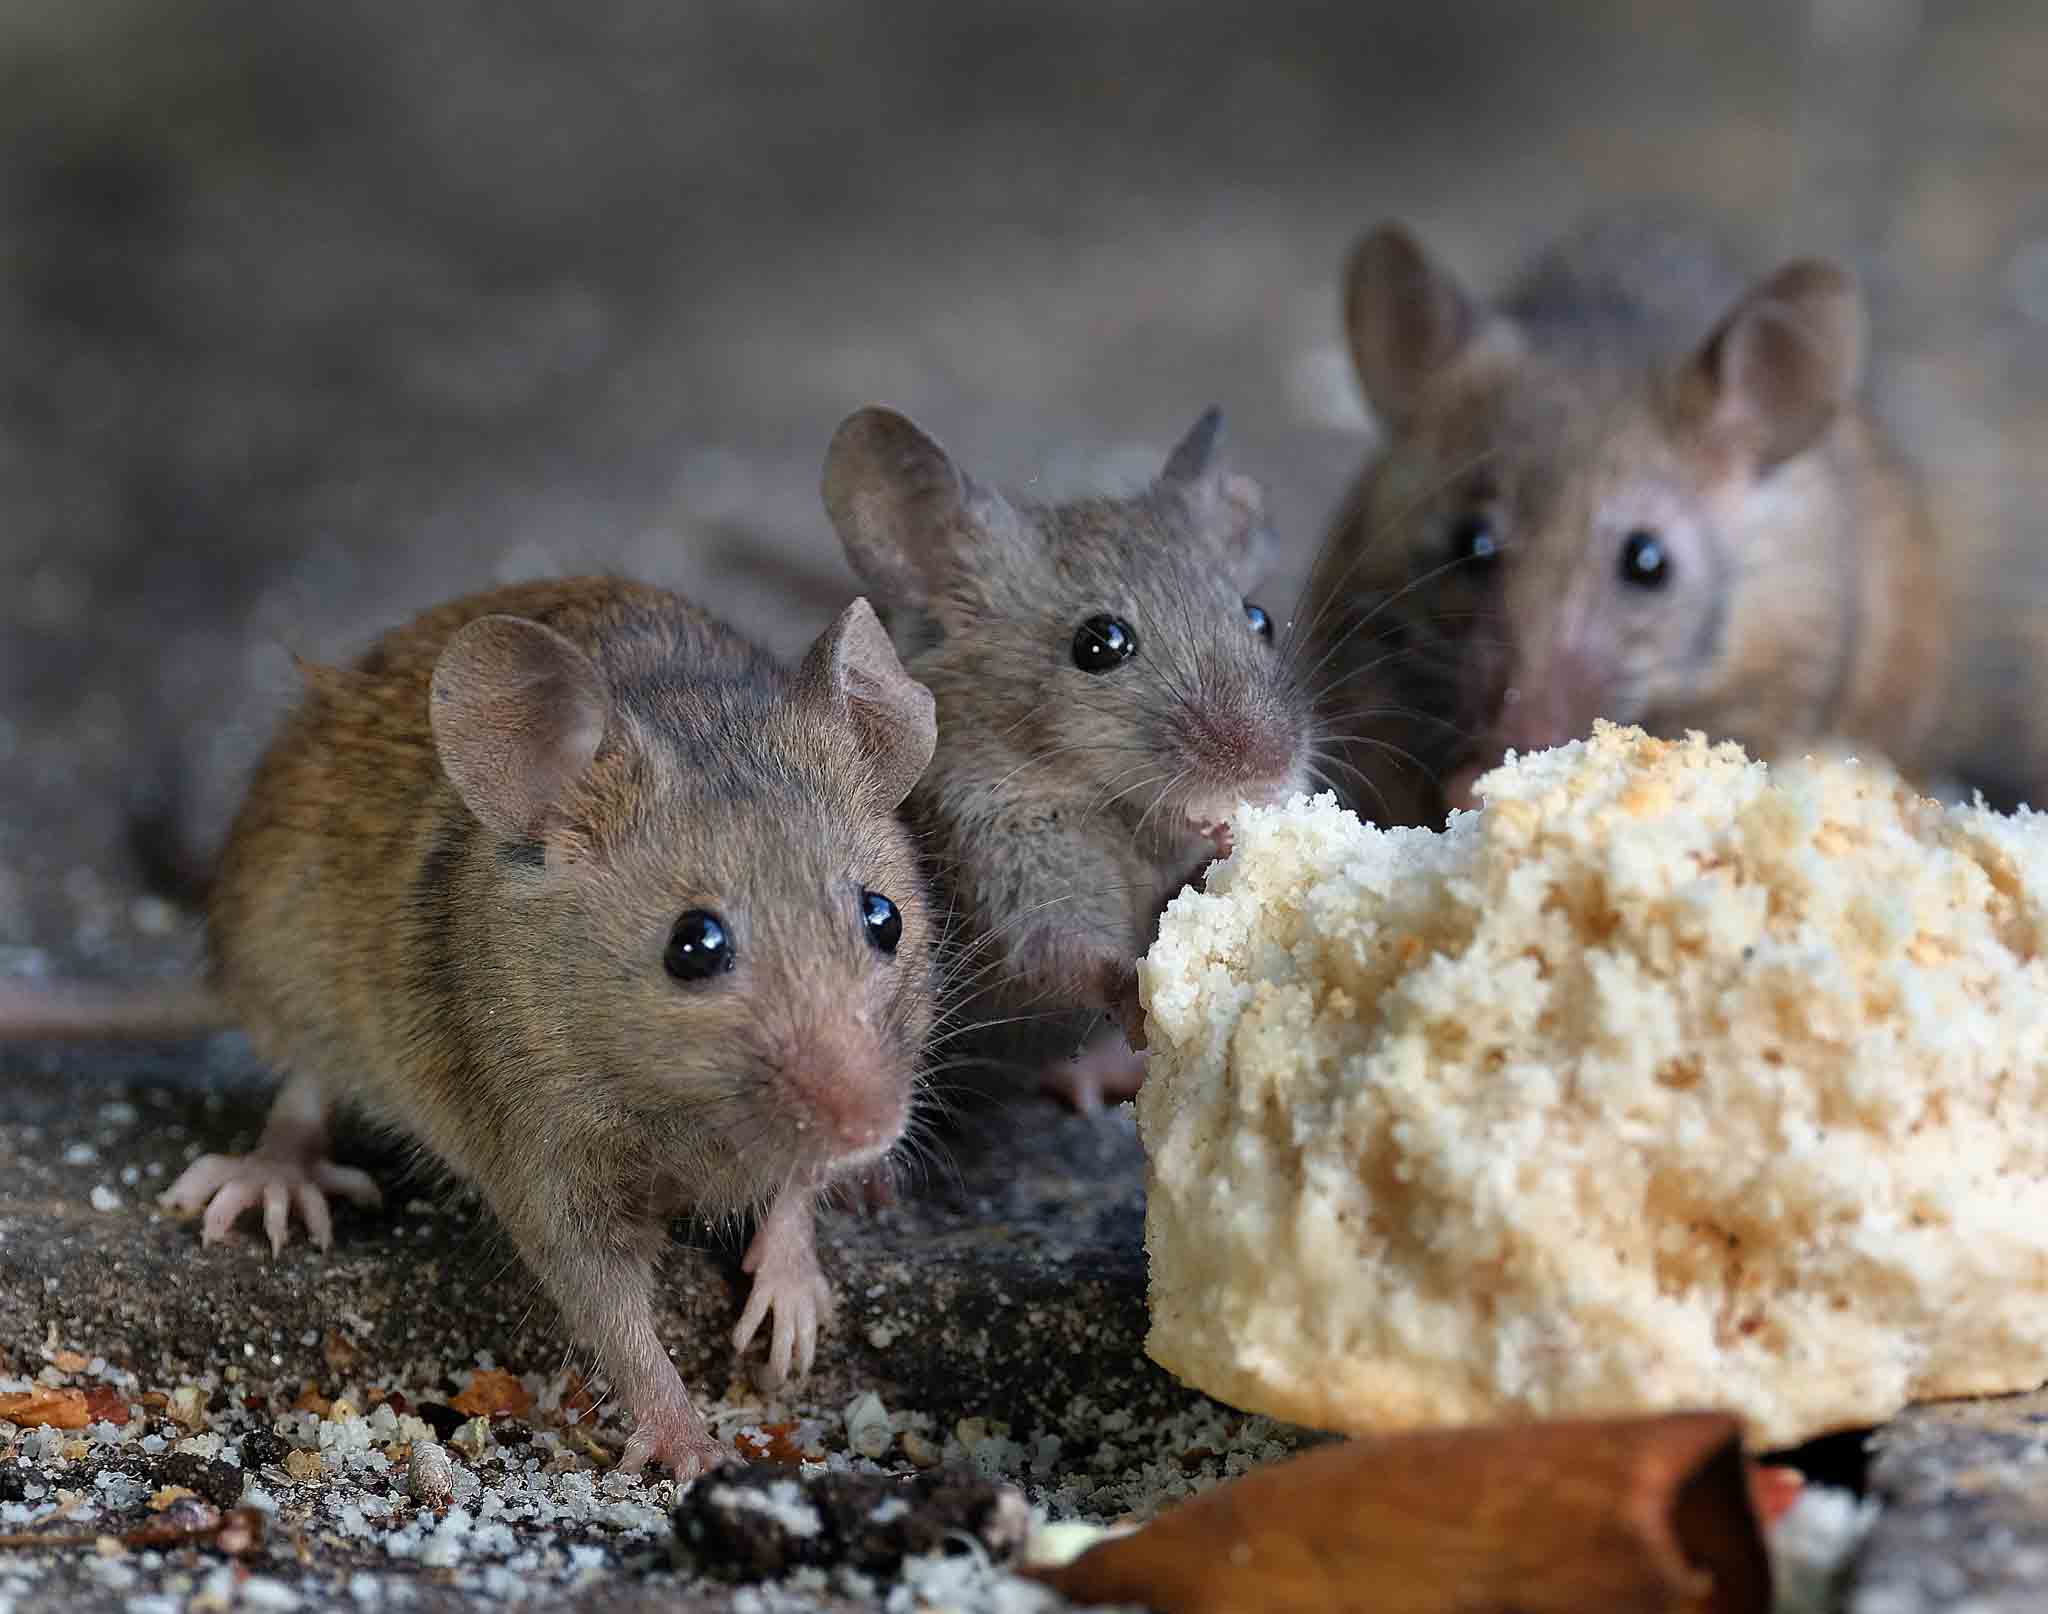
451, 898
1063, 806
1633, 386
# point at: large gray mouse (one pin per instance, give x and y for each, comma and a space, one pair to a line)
1107, 696
1638, 486
611, 912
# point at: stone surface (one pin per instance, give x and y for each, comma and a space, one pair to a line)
1964, 1525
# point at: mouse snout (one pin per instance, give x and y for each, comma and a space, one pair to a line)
847, 1100
1257, 755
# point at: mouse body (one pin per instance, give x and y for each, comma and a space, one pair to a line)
1107, 695
1638, 486
613, 914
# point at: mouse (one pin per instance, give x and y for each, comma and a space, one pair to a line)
614, 915
1638, 484
1108, 694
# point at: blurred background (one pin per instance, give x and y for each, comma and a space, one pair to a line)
313, 314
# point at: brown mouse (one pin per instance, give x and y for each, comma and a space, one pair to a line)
611, 912
1636, 486
1107, 696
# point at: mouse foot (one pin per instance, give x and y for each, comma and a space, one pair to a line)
675, 1436
288, 1170
1106, 1070
226, 1185
783, 1260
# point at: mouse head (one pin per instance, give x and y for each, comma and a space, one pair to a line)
705, 925
1101, 653
1555, 527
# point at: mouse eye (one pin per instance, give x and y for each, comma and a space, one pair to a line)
885, 924
1473, 540
1643, 560
1103, 642
698, 948
1261, 623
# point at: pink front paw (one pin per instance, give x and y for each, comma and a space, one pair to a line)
675, 1437
225, 1186
789, 1283
1107, 1069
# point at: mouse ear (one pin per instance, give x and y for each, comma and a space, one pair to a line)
1781, 365
1227, 504
900, 505
1407, 318
853, 672
517, 713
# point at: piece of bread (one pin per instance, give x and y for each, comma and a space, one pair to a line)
1664, 1081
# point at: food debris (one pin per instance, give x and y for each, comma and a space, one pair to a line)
46, 1409
493, 1390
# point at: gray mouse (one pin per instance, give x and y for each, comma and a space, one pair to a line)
1638, 485
1107, 696
611, 912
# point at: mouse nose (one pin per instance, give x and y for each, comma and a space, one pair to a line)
845, 1096
1256, 752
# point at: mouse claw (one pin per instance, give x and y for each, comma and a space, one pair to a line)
1105, 1070
678, 1440
789, 1283
226, 1186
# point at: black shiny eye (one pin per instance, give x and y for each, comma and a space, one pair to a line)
698, 948
1473, 540
1103, 642
1261, 623
1643, 561
885, 924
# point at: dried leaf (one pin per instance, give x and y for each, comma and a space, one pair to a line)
46, 1409
1628, 1516
769, 1443
492, 1390
338, 1353
106, 1404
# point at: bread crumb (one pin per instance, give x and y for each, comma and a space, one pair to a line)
1664, 1080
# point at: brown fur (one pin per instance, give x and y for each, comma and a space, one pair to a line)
504, 1001
1626, 382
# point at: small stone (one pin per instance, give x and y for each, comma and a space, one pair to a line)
219, 1482
430, 1474
262, 1447
438, 1416
304, 1466
762, 1522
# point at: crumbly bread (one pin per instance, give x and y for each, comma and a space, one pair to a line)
1661, 1081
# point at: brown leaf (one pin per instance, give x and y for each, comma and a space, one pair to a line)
105, 1403
492, 1390
46, 1409
769, 1443
338, 1353
1627, 1516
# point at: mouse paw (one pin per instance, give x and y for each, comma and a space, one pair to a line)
1107, 1070
675, 1437
226, 1185
787, 1281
